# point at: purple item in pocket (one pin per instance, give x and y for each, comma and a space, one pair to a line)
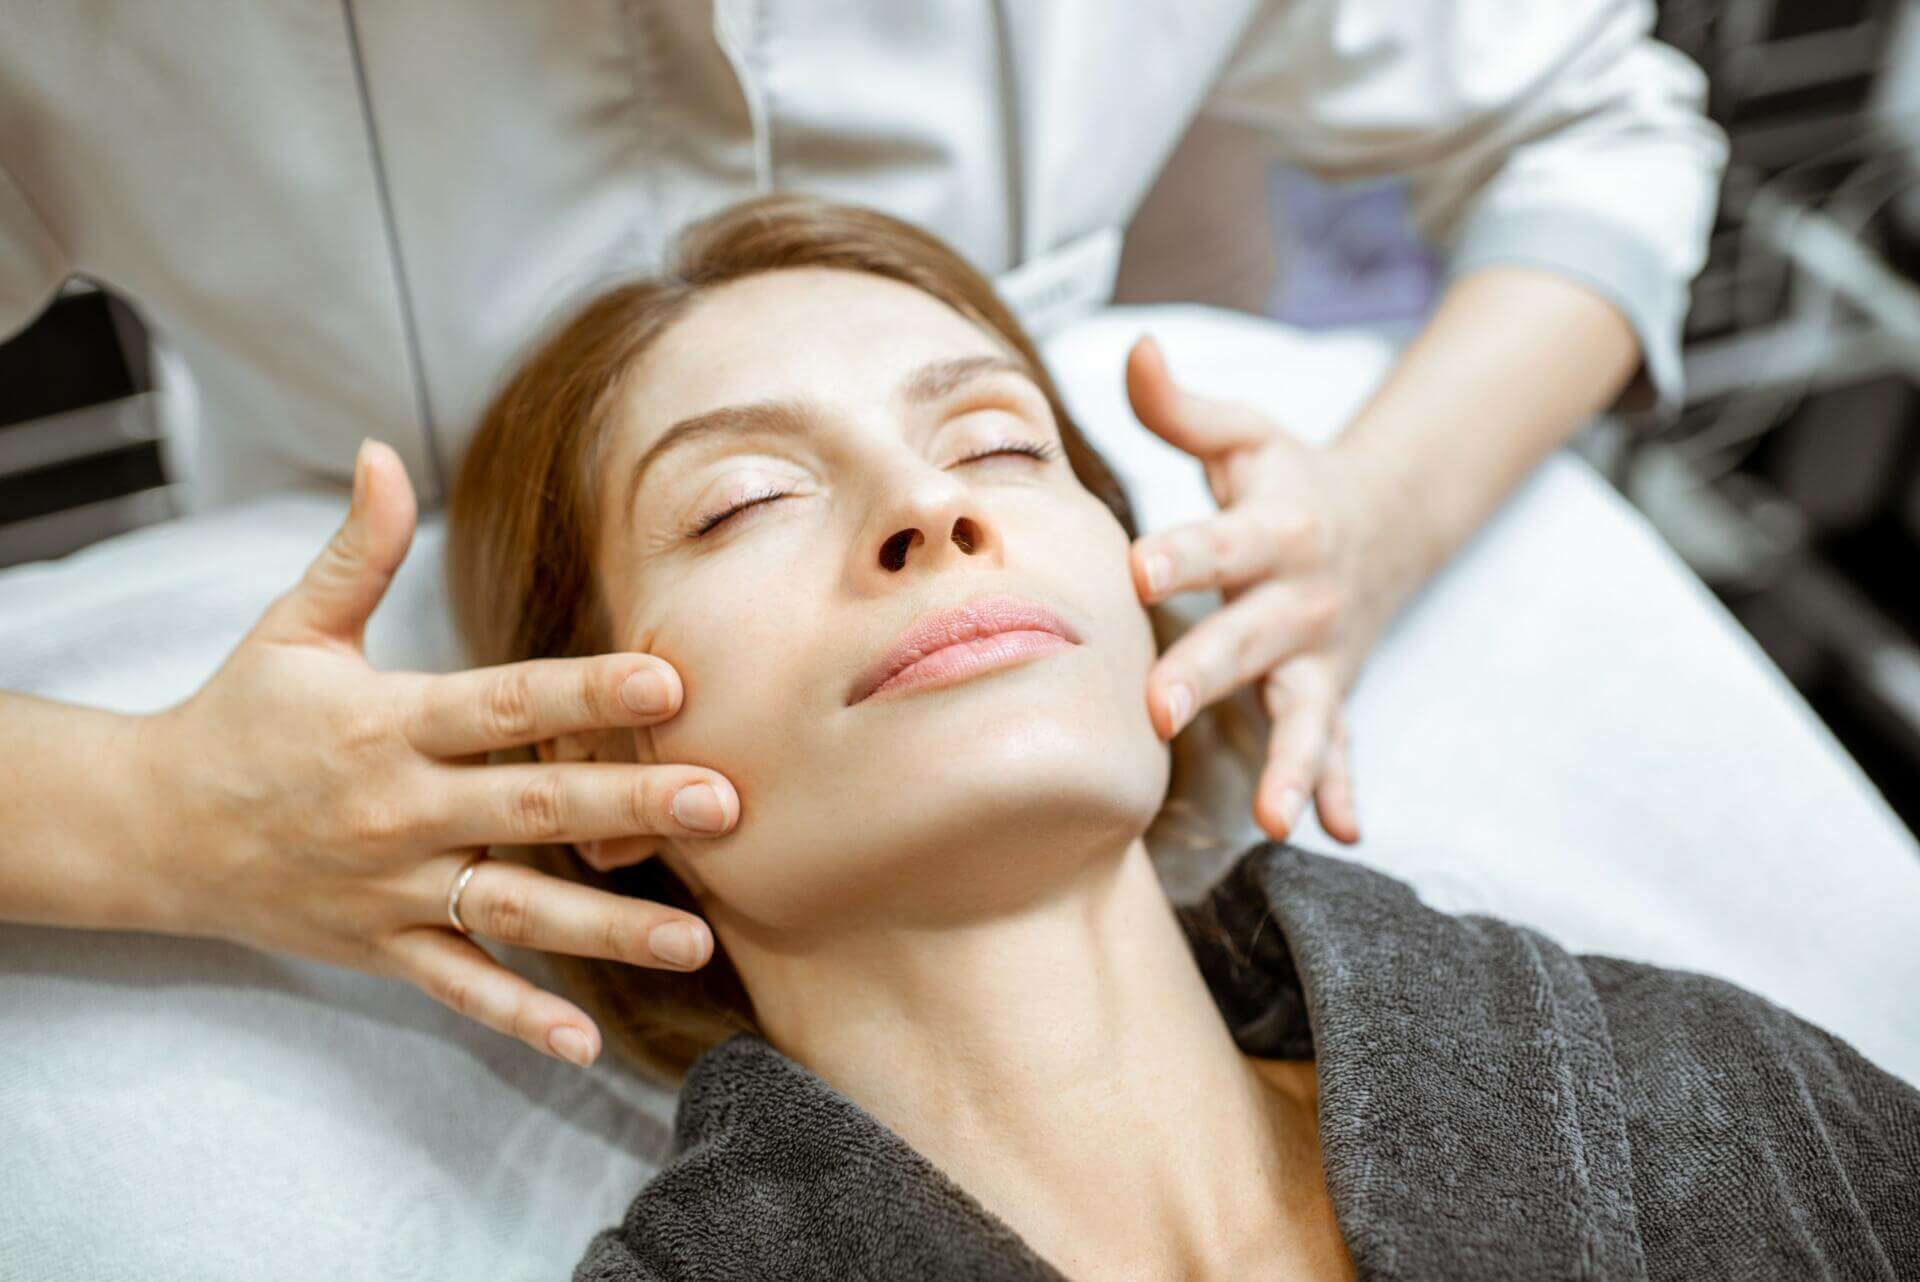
1348, 252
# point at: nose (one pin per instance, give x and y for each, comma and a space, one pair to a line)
929, 522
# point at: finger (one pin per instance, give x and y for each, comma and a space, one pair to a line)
1225, 551
527, 908
1238, 643
344, 583
459, 713
1333, 798
1200, 425
457, 973
1302, 706
576, 801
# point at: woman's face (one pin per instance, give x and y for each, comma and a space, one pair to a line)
858, 401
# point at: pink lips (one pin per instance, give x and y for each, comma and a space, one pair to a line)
956, 644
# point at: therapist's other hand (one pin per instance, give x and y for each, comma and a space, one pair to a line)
1291, 552
327, 806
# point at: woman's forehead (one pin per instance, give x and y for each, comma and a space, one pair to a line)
817, 334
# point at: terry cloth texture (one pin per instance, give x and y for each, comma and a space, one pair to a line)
1491, 1107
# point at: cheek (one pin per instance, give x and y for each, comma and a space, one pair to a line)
715, 646
750, 676
1094, 567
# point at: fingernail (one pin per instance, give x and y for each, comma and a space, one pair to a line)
570, 1044
589, 851
1179, 704
675, 942
698, 806
645, 692
1290, 802
1159, 572
360, 471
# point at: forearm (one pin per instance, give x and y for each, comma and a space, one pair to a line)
1512, 363
77, 818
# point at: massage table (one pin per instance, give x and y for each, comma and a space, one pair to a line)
1564, 728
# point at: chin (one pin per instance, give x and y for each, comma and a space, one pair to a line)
1032, 796
979, 815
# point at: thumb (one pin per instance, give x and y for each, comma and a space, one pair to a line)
1200, 425
346, 581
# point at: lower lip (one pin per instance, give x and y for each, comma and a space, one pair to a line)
953, 664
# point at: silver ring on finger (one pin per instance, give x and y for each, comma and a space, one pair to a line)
460, 884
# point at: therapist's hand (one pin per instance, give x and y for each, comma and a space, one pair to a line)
1293, 551
328, 806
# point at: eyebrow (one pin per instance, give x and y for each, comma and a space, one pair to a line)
931, 382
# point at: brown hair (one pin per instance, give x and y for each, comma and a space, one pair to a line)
521, 525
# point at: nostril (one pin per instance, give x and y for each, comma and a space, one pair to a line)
893, 553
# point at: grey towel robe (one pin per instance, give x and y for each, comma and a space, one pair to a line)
1491, 1106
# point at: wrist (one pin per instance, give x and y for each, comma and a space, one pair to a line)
1394, 552
143, 890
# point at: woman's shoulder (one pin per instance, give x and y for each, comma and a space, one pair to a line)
1281, 910
1686, 1042
1734, 1104
1710, 1104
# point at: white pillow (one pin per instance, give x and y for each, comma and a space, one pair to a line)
1565, 728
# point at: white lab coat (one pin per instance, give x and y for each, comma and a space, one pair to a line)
345, 219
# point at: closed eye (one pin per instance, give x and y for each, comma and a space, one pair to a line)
1035, 449
1032, 449
706, 523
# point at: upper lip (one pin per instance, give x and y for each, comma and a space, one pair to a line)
935, 630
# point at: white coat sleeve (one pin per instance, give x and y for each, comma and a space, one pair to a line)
1552, 133
32, 264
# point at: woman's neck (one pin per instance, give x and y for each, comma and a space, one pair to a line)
1066, 1065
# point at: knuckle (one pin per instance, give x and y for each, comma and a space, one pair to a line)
1276, 697
508, 706
640, 806
376, 821
597, 692
370, 955
1292, 783
458, 995
1248, 651
1288, 522
536, 813
379, 956
410, 707
347, 542
1220, 544
1266, 526
621, 940
1315, 686
507, 915
1214, 668
524, 1026
1322, 606
340, 558
364, 729
430, 807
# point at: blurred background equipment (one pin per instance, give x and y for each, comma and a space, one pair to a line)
1790, 481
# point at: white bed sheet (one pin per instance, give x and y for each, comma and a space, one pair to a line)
1565, 728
